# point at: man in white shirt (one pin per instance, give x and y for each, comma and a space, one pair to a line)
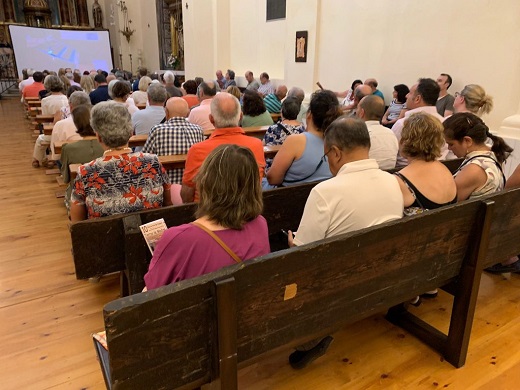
28, 81
421, 98
383, 143
358, 196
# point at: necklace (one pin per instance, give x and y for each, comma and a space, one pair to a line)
120, 150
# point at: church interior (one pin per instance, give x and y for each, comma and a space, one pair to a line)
48, 315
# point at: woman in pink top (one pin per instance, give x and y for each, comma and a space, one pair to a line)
229, 207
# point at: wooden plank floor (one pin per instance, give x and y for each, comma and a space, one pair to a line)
47, 315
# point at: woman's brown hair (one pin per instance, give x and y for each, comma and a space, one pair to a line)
229, 187
81, 118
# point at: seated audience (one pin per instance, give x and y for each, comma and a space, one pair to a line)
140, 96
288, 125
273, 101
141, 72
100, 94
445, 102
426, 183
225, 116
265, 87
372, 83
153, 114
393, 112
473, 98
229, 210
230, 79
65, 130
120, 92
191, 98
169, 84
235, 91
481, 171
255, 113
64, 112
33, 89
252, 84
348, 95
359, 195
175, 136
301, 157
221, 80
421, 98
383, 143
199, 115
120, 181
26, 81
299, 94
50, 106
87, 84
83, 151
359, 93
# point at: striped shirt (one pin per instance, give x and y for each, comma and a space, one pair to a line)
272, 104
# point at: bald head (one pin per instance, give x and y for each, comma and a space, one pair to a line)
372, 83
371, 108
360, 92
177, 107
281, 92
225, 111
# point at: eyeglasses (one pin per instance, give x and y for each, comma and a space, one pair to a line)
324, 157
457, 94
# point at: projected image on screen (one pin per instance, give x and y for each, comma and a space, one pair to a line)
41, 48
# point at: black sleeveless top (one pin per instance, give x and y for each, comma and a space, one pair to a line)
421, 200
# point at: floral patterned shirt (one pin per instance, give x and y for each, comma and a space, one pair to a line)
276, 135
120, 184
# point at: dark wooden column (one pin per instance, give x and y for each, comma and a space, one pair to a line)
82, 10
64, 12
9, 11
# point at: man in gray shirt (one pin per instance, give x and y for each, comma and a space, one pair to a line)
445, 101
252, 84
144, 120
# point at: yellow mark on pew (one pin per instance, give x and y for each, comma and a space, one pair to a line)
290, 291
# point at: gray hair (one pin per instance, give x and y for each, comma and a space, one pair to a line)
296, 93
53, 83
79, 98
30, 72
169, 77
157, 93
112, 122
69, 75
225, 109
347, 134
111, 87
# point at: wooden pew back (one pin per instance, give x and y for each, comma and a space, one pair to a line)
198, 330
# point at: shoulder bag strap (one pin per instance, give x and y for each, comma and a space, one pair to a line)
409, 185
219, 241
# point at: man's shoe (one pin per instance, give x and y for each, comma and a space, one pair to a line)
300, 359
502, 269
430, 294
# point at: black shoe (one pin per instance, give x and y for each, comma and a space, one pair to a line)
502, 269
300, 359
430, 294
416, 301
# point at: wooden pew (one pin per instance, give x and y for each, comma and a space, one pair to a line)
44, 119
200, 330
173, 161
140, 140
125, 250
276, 117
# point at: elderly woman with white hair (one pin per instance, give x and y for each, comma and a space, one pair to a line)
120, 181
140, 96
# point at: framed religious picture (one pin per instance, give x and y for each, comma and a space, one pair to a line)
301, 46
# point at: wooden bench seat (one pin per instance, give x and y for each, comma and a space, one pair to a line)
199, 330
44, 119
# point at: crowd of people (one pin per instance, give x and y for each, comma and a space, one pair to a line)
343, 140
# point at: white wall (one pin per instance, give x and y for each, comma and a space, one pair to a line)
475, 41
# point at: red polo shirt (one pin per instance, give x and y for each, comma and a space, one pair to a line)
32, 90
231, 135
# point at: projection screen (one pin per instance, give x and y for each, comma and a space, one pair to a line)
43, 48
